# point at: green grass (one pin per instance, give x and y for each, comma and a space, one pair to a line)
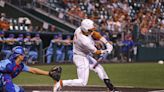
144, 75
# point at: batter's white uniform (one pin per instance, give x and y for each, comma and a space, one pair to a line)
83, 46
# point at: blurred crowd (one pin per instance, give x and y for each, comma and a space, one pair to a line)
128, 23
140, 22
110, 15
140, 18
116, 18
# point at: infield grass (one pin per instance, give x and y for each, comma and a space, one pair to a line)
143, 75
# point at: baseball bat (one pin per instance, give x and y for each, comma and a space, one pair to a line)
98, 62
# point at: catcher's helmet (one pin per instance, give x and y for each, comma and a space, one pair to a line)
18, 50
87, 24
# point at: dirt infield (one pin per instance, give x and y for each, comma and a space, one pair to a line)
88, 89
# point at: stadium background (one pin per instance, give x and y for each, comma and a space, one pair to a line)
53, 17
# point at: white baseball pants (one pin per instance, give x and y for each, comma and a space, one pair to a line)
83, 64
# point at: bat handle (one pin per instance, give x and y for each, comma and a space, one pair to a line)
101, 58
95, 65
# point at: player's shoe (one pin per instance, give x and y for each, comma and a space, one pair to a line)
115, 90
57, 86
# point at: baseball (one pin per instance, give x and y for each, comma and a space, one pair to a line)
160, 62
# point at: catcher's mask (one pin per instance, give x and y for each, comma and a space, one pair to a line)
16, 51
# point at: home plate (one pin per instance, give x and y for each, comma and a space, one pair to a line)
157, 91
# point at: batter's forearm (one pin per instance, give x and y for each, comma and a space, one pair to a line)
109, 45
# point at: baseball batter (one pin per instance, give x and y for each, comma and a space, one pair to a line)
83, 48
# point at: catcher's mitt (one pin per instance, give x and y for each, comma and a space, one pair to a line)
55, 73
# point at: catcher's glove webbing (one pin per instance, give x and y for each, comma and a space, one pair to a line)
55, 73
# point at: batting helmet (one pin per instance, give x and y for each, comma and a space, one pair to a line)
87, 24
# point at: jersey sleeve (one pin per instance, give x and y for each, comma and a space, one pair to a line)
25, 68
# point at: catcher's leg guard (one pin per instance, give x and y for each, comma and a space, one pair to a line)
109, 84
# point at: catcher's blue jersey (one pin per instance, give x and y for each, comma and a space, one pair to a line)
8, 71
7, 66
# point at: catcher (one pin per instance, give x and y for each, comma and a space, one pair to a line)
14, 65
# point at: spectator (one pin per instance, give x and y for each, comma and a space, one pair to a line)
57, 43
52, 28
4, 24
61, 14
37, 39
9, 43
127, 49
68, 48
60, 55
2, 39
27, 41
33, 51
19, 40
28, 44
50, 50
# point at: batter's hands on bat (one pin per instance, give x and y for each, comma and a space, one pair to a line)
55, 73
109, 47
